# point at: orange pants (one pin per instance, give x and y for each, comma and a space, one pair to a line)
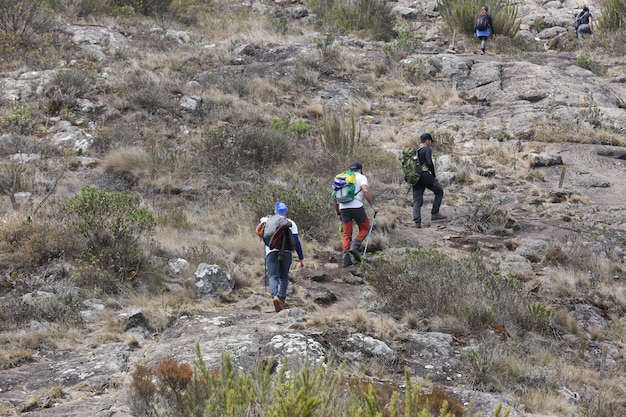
357, 215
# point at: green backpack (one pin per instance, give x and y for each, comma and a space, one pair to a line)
410, 165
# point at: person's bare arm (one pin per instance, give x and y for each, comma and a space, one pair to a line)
591, 23
368, 197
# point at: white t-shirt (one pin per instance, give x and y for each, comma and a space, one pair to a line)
358, 193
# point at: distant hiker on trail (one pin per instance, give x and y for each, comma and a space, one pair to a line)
584, 23
427, 180
280, 236
483, 28
353, 210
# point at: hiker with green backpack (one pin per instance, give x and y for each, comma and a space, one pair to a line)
349, 189
427, 179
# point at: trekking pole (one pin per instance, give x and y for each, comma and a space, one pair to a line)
368, 237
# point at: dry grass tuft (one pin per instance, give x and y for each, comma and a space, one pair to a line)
14, 357
128, 161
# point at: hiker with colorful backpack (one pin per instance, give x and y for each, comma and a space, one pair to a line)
280, 236
349, 190
483, 28
427, 179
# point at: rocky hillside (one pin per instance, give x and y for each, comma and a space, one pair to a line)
530, 150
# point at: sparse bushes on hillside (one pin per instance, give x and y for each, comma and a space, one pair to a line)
66, 87
148, 94
309, 201
24, 18
229, 150
486, 216
111, 224
460, 15
340, 135
467, 289
313, 391
371, 16
613, 16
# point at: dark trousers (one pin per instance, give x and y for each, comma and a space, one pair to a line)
426, 181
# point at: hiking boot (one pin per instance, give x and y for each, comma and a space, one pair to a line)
438, 216
347, 261
418, 225
482, 52
355, 250
278, 306
283, 303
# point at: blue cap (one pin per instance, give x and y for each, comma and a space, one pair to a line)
356, 166
280, 208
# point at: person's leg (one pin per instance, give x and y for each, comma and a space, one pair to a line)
346, 223
363, 223
273, 271
582, 30
418, 201
436, 188
283, 284
483, 44
346, 220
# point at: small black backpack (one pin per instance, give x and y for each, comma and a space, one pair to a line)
482, 22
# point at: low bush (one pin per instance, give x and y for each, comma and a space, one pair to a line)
309, 202
430, 283
341, 134
313, 391
231, 150
613, 16
460, 15
111, 225
148, 94
487, 216
372, 16
58, 302
24, 18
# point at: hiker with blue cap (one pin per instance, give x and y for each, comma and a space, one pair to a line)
353, 211
280, 236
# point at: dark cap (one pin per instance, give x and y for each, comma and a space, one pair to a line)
356, 166
585, 7
425, 137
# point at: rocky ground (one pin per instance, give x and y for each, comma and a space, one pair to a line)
498, 98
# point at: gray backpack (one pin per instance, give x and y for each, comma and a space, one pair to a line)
273, 223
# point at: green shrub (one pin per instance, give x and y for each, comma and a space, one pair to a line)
460, 15
59, 304
371, 16
111, 224
613, 16
65, 87
299, 127
176, 389
24, 18
146, 93
486, 216
20, 118
467, 289
340, 135
407, 40
309, 202
230, 150
145, 7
